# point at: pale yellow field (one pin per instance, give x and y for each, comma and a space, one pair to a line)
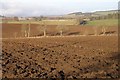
48, 22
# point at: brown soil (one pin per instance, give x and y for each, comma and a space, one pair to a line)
10, 30
61, 57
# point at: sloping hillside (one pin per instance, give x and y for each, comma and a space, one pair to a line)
97, 13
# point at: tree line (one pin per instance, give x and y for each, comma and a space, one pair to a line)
109, 16
26, 30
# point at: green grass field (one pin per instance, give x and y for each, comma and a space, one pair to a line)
107, 22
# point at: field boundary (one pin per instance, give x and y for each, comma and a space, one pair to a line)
59, 36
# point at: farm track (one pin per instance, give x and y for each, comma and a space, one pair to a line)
61, 57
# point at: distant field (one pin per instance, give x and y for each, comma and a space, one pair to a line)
11, 29
47, 22
107, 22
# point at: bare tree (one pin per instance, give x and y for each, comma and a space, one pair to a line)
104, 29
61, 29
95, 30
28, 32
42, 28
25, 29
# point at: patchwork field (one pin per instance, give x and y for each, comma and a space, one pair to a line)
61, 57
82, 52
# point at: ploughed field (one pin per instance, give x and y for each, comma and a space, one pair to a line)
10, 30
60, 57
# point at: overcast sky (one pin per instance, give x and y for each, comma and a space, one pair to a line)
53, 7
